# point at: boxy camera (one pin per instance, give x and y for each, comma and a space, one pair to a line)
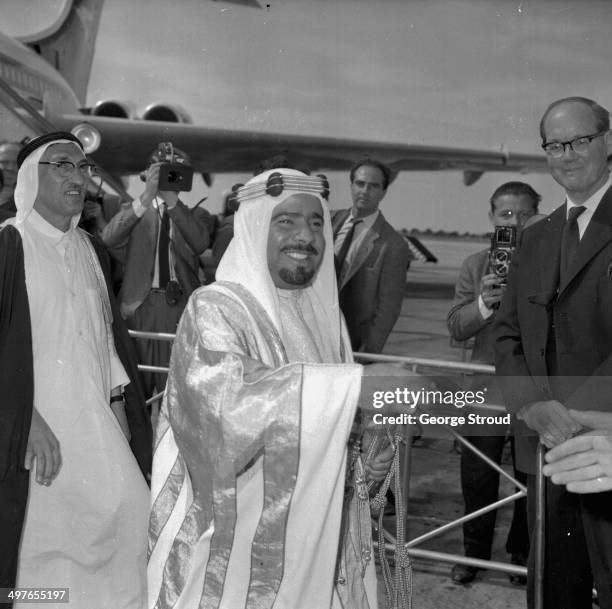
503, 244
173, 174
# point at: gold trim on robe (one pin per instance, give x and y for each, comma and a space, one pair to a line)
244, 437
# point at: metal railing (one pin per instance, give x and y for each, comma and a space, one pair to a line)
416, 364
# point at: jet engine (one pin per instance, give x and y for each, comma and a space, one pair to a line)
113, 109
166, 112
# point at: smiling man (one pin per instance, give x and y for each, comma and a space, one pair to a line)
554, 344
250, 467
371, 260
64, 355
292, 262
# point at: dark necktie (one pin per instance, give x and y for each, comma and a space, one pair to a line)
569, 240
344, 248
163, 257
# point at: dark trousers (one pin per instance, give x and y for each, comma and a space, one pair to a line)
577, 550
480, 487
13, 501
155, 315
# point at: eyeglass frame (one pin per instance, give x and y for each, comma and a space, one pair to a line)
91, 170
571, 143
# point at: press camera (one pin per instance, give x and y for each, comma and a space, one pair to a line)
174, 173
503, 244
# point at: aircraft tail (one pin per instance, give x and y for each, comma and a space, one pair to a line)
70, 44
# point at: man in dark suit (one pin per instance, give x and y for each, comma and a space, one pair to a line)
554, 344
471, 316
371, 260
161, 239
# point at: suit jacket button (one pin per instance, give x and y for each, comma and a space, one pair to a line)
541, 352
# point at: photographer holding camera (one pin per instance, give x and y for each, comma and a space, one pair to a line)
161, 239
478, 293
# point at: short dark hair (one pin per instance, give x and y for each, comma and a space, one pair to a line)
516, 189
369, 162
278, 161
602, 116
159, 154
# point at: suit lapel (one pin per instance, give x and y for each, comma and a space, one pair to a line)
550, 252
338, 220
596, 236
365, 247
152, 226
150, 230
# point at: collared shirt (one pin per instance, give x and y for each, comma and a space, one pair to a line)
160, 209
482, 307
591, 205
70, 338
358, 236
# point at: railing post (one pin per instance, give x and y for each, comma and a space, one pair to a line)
406, 469
540, 530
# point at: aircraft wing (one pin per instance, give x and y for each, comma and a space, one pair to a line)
253, 3
126, 144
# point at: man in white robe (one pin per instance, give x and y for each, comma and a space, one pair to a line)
86, 518
250, 458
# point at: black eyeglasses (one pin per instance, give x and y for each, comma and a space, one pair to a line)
67, 168
579, 144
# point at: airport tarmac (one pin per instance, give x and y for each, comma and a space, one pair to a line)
435, 492
435, 499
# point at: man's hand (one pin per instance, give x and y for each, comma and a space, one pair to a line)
376, 468
584, 463
169, 197
490, 290
551, 420
43, 447
151, 185
593, 419
381, 378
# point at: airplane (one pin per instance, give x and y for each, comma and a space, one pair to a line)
43, 84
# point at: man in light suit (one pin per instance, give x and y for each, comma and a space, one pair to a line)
477, 295
554, 345
161, 239
371, 260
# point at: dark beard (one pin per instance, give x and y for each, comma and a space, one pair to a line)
299, 276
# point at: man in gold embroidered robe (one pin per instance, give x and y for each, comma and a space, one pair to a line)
251, 449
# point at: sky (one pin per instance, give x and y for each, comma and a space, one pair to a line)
464, 73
